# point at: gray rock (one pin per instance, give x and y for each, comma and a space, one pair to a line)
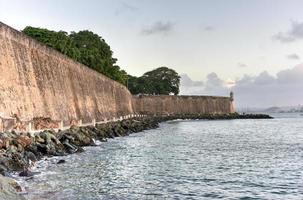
9, 189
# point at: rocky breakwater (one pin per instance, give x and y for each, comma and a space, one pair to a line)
19, 151
227, 116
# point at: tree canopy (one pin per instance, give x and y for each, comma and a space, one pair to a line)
162, 80
85, 47
91, 50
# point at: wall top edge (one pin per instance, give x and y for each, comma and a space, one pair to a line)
52, 51
182, 96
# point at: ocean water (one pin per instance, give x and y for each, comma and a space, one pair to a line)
237, 159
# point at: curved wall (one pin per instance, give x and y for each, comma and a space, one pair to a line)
37, 81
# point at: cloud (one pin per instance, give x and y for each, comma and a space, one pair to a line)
158, 27
215, 85
229, 83
189, 86
125, 7
264, 79
291, 76
212, 86
187, 82
209, 28
263, 90
293, 56
283, 38
213, 81
242, 65
295, 33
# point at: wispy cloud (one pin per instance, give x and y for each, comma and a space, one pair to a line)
209, 28
295, 33
125, 7
293, 56
242, 65
158, 27
188, 82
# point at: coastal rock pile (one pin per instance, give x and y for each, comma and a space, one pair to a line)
228, 116
18, 151
9, 189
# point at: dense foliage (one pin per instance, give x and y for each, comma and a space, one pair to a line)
91, 50
85, 47
162, 80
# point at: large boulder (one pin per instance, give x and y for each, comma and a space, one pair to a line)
4, 142
77, 136
9, 189
24, 140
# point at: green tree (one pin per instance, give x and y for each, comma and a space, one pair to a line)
85, 47
91, 50
57, 40
159, 81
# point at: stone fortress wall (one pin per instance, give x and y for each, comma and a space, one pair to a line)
167, 104
37, 81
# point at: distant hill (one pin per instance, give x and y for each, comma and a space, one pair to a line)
285, 109
273, 109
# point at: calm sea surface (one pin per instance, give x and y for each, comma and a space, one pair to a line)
238, 159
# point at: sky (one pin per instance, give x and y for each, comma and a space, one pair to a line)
254, 48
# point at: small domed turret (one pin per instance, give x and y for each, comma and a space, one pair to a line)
231, 96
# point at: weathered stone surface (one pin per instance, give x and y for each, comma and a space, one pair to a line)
163, 105
37, 81
41, 123
41, 85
